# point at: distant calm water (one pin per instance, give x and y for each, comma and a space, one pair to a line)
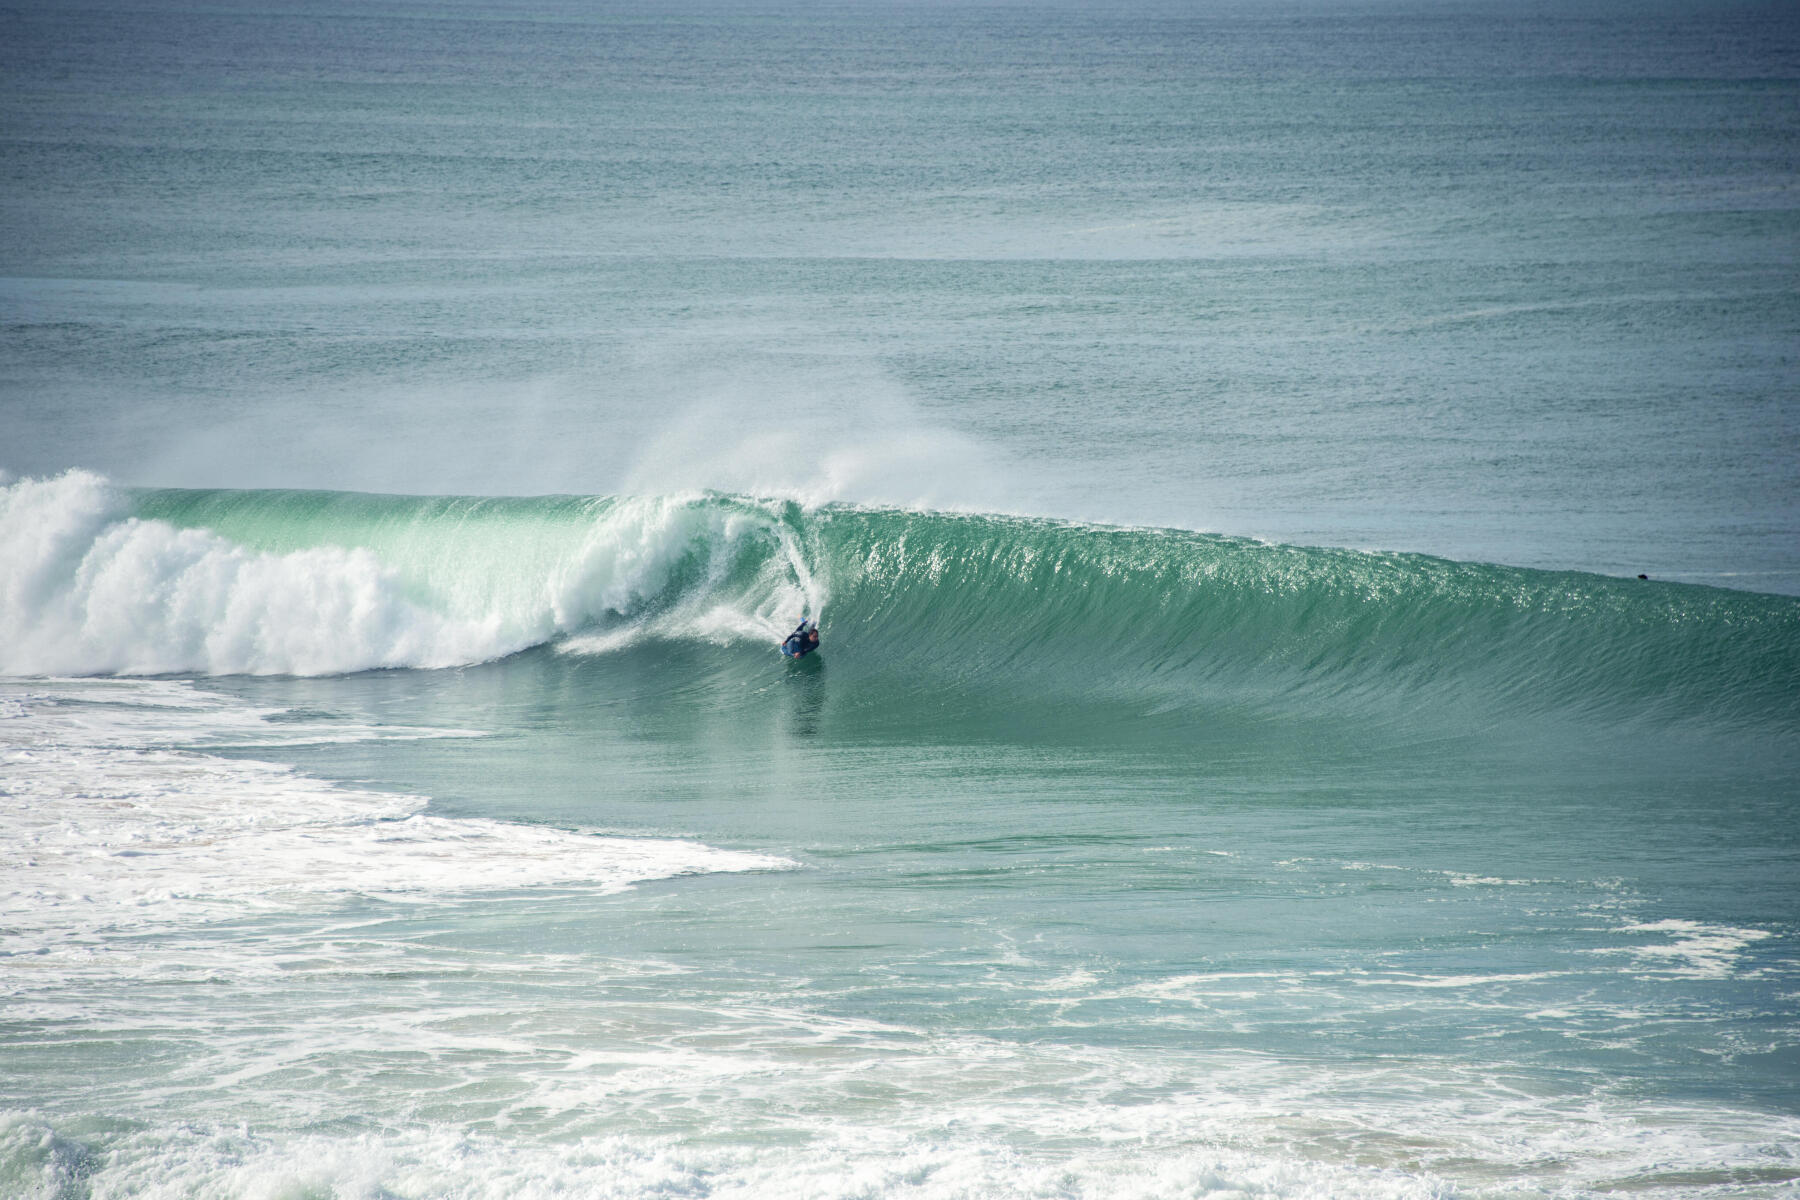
1222, 441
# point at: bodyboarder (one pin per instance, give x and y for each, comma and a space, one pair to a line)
802, 641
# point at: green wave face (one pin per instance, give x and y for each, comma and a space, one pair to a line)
973, 609
1187, 615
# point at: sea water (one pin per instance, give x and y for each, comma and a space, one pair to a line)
1222, 442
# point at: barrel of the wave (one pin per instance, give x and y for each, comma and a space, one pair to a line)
803, 641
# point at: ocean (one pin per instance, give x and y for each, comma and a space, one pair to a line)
1302, 501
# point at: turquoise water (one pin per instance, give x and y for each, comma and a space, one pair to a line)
1221, 444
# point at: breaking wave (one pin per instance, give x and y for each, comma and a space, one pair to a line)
103, 580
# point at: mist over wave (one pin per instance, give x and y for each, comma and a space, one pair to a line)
107, 581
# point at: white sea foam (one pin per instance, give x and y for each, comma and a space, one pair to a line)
88, 589
1458, 981
104, 829
853, 1161
91, 590
1689, 949
847, 1109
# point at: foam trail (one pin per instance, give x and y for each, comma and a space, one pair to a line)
104, 829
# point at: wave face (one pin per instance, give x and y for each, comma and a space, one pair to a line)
1177, 614
101, 580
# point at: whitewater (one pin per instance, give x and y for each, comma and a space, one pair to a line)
326, 584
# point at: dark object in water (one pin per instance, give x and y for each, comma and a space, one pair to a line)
802, 641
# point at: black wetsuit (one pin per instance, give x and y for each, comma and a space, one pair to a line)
797, 643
